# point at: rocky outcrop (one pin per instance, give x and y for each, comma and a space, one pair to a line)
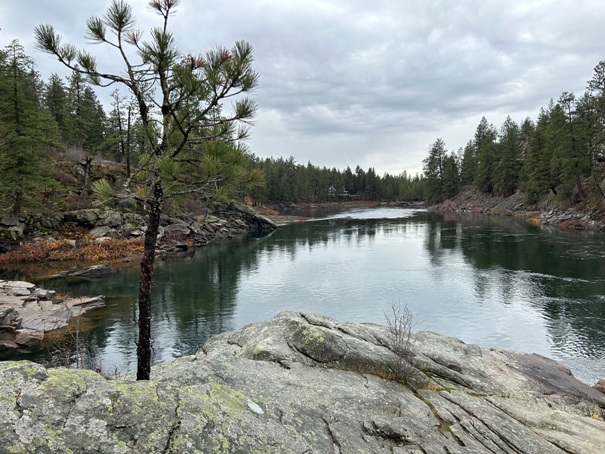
301, 383
221, 222
28, 312
471, 200
574, 219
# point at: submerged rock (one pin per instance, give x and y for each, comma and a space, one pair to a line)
93, 271
302, 383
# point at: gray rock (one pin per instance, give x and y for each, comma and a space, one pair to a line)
177, 230
88, 272
85, 218
600, 386
111, 219
9, 317
102, 231
9, 220
30, 338
302, 383
17, 231
17, 288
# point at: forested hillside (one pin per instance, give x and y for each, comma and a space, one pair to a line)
560, 154
59, 143
57, 139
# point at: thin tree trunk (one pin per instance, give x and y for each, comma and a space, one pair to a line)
151, 238
128, 126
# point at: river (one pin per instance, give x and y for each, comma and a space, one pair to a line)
493, 281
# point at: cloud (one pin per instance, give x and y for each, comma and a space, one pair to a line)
371, 83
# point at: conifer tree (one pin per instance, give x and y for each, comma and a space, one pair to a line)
26, 130
193, 146
433, 169
506, 173
485, 149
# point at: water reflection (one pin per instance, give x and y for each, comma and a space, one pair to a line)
562, 274
488, 280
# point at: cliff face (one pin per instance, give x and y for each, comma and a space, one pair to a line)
302, 383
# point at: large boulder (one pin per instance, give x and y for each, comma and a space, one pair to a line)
301, 383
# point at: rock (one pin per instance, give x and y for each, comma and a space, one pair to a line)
88, 272
85, 218
600, 386
9, 220
25, 319
29, 338
42, 294
111, 219
101, 231
17, 288
9, 317
85, 304
302, 383
177, 230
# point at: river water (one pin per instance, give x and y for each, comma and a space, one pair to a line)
493, 281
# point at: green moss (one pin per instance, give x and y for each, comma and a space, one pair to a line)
314, 334
75, 378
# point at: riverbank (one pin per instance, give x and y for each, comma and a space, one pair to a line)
300, 383
471, 200
92, 236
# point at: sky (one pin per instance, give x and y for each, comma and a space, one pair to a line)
369, 83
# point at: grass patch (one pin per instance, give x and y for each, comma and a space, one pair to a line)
84, 250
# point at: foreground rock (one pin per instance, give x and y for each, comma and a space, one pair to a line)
301, 383
27, 312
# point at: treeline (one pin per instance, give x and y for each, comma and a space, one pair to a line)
289, 182
62, 118
559, 153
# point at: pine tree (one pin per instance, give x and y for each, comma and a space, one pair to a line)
451, 175
85, 122
506, 173
26, 129
576, 158
433, 172
537, 164
485, 146
469, 164
192, 130
55, 100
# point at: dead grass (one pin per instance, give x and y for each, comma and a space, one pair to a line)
84, 250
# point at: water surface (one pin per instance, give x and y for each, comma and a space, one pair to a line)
493, 281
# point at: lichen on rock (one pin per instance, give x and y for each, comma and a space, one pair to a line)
302, 383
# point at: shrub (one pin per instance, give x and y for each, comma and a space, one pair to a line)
400, 322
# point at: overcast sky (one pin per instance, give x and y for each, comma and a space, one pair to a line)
374, 83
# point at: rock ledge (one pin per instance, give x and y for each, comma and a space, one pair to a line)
302, 383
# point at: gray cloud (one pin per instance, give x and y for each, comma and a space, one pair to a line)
373, 83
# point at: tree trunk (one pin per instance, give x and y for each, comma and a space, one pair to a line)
151, 238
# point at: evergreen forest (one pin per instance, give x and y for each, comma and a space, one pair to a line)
60, 149
559, 155
52, 131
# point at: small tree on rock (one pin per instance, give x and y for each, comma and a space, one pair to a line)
179, 98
